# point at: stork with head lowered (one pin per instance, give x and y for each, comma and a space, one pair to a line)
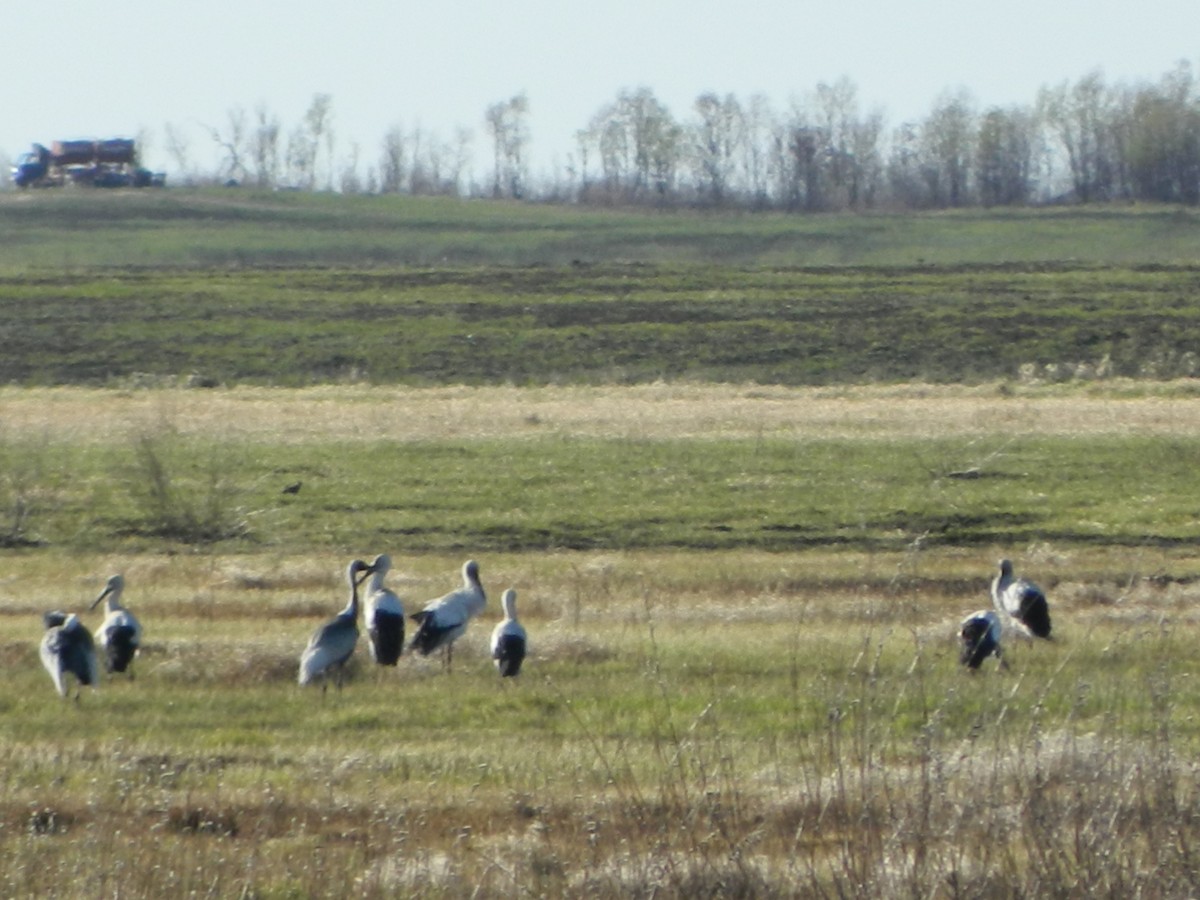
333, 643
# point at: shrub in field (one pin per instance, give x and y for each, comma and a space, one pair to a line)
183, 494
23, 488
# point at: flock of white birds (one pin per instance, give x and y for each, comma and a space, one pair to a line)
68, 650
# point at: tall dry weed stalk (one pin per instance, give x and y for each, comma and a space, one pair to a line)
1017, 803
170, 504
24, 486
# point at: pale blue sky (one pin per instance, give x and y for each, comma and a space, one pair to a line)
88, 68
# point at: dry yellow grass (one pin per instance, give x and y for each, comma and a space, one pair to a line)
655, 411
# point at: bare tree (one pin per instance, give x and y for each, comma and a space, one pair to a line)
867, 174
905, 169
1163, 144
758, 128
318, 130
393, 166
459, 160
299, 159
656, 142
716, 139
852, 151
948, 138
1080, 118
806, 146
639, 145
419, 180
349, 180
507, 123
264, 147
612, 145
1005, 157
178, 150
579, 173
231, 141
827, 155
835, 113
435, 166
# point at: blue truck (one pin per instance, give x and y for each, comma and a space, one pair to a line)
107, 163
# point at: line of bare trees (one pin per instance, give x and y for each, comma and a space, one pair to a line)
1087, 141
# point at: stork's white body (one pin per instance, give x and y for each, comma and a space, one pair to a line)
333, 643
443, 621
1021, 602
120, 634
509, 641
384, 615
67, 650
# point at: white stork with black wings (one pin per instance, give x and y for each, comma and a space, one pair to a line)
980, 636
443, 621
67, 650
384, 614
508, 639
333, 643
1022, 601
120, 634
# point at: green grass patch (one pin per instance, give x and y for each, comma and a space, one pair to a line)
554, 492
65, 230
601, 325
246, 288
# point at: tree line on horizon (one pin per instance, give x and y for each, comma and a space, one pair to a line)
1082, 142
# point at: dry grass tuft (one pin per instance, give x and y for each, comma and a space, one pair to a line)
198, 820
552, 645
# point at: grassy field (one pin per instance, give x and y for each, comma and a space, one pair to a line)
761, 702
605, 324
687, 466
239, 288
741, 533
80, 230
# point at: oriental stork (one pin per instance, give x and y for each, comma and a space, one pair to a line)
1022, 602
384, 614
508, 639
980, 636
120, 634
333, 643
443, 620
68, 650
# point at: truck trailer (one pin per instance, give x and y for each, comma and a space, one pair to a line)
107, 163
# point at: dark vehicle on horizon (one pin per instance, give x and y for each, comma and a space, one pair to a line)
110, 163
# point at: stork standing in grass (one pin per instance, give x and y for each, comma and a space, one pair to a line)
120, 633
333, 643
384, 614
508, 638
1022, 601
443, 620
980, 636
68, 650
